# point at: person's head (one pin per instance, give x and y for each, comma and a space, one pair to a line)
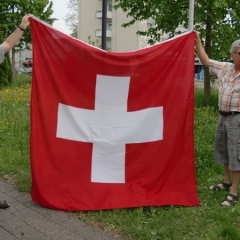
235, 52
235, 46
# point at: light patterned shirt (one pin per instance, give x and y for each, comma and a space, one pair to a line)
1, 54
228, 85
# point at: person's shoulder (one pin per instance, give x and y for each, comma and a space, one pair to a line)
219, 64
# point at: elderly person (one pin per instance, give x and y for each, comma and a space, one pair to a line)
6, 46
227, 142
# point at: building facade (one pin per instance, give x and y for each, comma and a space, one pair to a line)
119, 39
22, 57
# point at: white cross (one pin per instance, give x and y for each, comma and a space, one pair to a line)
110, 127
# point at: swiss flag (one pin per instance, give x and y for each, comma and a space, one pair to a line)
111, 130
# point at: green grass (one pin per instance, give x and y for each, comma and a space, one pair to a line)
209, 221
14, 133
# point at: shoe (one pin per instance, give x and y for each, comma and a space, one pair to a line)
230, 200
221, 186
4, 204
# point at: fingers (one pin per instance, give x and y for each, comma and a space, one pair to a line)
197, 35
25, 21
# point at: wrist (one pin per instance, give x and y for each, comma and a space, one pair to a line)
23, 26
20, 28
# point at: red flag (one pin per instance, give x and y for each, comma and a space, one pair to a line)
111, 130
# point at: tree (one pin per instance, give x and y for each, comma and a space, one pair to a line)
71, 18
217, 21
11, 15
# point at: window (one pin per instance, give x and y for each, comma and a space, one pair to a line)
109, 7
149, 25
109, 26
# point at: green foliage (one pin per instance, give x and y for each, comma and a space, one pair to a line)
13, 11
5, 72
39, 8
5, 69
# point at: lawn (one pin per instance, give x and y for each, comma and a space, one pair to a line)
208, 221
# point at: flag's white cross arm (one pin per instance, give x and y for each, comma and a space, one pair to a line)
110, 127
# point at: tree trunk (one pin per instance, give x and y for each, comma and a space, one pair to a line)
207, 85
13, 66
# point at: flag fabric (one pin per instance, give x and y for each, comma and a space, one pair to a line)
111, 130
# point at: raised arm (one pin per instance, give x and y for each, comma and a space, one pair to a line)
13, 39
200, 51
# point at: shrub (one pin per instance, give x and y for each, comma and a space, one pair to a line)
5, 69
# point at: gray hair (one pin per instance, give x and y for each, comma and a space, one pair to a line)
235, 45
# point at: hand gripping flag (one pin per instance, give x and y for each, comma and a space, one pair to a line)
111, 130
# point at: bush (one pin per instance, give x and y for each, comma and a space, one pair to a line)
5, 69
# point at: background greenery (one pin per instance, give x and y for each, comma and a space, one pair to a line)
208, 221
12, 12
5, 69
14, 133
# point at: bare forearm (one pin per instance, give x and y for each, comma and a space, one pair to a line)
14, 38
201, 52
